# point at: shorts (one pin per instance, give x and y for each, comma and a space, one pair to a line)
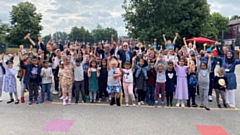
113, 89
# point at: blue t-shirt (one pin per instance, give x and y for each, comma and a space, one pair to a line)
169, 46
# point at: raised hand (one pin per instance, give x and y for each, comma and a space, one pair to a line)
164, 35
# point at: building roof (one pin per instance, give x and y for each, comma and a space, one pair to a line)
233, 22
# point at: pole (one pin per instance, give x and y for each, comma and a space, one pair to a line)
222, 42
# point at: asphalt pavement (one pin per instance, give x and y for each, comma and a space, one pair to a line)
102, 119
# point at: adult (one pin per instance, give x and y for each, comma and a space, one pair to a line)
60, 46
190, 46
168, 43
21, 48
125, 54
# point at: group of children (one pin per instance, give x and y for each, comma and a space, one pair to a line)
146, 79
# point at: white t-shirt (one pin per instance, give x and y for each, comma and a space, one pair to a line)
128, 76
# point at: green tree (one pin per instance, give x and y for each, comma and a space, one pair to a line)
60, 35
101, 33
235, 17
3, 32
24, 20
80, 34
149, 19
46, 38
219, 23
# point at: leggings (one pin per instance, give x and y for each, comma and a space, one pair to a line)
140, 95
67, 88
160, 87
1, 84
169, 97
93, 95
222, 93
15, 94
128, 91
204, 96
23, 86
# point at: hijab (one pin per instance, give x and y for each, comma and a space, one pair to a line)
232, 59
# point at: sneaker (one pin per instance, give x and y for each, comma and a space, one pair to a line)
177, 105
160, 95
162, 104
64, 102
208, 109
30, 102
194, 105
139, 103
210, 98
182, 105
94, 101
156, 104
219, 106
134, 105
225, 105
127, 105
142, 102
90, 100
1, 99
61, 98
55, 92
36, 101
69, 102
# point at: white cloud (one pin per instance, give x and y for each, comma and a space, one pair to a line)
61, 15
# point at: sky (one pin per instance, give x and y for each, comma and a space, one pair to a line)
62, 15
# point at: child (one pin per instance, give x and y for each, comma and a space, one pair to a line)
93, 74
103, 80
151, 84
67, 80
192, 84
171, 82
61, 67
32, 78
47, 75
2, 73
229, 63
79, 79
10, 83
128, 80
114, 83
141, 76
160, 67
181, 92
203, 70
220, 84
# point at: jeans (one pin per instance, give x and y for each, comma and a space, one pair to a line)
150, 95
33, 90
46, 88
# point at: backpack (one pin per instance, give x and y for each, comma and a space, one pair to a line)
192, 81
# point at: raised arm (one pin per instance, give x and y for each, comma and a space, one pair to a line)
133, 63
164, 38
204, 46
209, 62
31, 41
175, 38
185, 43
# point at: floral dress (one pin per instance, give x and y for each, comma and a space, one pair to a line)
10, 83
